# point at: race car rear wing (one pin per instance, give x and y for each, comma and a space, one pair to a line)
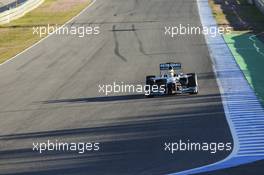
164, 68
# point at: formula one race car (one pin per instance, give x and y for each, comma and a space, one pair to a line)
171, 81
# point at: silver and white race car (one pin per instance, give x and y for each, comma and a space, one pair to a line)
171, 81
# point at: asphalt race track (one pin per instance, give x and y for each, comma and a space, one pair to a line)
51, 92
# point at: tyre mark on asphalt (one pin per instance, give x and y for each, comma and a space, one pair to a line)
117, 50
141, 47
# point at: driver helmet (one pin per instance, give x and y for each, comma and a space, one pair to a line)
171, 71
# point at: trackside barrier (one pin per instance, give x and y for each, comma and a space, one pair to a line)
15, 13
12, 4
243, 110
260, 5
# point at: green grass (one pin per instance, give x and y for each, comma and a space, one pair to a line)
18, 35
247, 49
249, 54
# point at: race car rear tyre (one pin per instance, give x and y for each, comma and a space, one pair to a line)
149, 79
195, 91
192, 82
149, 82
149, 96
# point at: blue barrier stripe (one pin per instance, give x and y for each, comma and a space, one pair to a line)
256, 133
249, 145
250, 129
247, 118
252, 142
244, 113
